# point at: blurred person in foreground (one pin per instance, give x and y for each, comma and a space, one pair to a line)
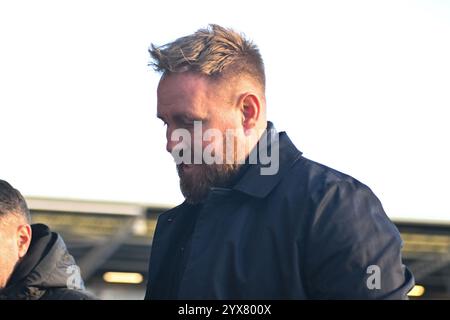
268, 223
34, 262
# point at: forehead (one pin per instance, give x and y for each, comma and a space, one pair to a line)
184, 92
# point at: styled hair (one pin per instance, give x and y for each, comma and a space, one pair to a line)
12, 202
215, 51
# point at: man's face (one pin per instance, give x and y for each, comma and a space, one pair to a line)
9, 252
186, 99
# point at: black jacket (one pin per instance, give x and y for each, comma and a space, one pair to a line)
47, 272
307, 232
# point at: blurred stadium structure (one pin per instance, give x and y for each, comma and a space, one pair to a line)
112, 241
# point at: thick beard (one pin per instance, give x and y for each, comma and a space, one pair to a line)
196, 184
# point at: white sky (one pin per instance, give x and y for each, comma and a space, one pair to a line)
361, 86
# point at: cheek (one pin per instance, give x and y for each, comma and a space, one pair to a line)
231, 120
8, 254
8, 250
225, 117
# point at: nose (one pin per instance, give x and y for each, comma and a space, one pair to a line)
178, 145
175, 140
169, 144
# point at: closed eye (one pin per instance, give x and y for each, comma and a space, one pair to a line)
188, 123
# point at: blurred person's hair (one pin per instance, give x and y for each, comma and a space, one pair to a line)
12, 203
216, 52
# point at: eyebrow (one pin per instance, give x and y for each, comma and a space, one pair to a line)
181, 116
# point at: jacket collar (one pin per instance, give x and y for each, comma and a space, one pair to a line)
258, 185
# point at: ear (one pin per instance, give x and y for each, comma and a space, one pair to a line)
251, 110
23, 239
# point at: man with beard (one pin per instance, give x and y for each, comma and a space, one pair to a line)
34, 262
301, 231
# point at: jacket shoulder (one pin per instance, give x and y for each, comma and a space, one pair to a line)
347, 221
316, 178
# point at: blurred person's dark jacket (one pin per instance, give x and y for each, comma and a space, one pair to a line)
308, 232
47, 272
